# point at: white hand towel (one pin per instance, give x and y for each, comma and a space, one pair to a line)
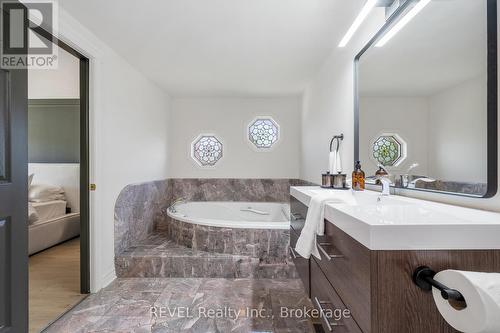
332, 163
314, 225
338, 163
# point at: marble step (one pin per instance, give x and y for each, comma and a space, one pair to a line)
157, 256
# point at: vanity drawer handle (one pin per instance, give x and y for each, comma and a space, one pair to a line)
322, 314
329, 256
292, 252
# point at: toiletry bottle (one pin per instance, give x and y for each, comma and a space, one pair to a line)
358, 177
326, 180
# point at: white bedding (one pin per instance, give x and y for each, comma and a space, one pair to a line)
32, 214
49, 233
44, 193
65, 175
49, 210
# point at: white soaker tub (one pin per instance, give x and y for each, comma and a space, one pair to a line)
229, 214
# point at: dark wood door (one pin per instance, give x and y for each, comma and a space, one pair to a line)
13, 202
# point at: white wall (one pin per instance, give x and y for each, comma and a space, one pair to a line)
64, 80
228, 118
458, 133
129, 141
328, 106
406, 116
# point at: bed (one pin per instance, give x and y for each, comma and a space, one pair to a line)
53, 221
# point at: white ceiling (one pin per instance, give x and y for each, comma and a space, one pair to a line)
221, 47
443, 46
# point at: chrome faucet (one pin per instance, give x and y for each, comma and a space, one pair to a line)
172, 207
386, 185
405, 178
413, 183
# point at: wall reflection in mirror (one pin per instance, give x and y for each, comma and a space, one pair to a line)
422, 100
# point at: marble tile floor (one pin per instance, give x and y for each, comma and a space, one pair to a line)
191, 305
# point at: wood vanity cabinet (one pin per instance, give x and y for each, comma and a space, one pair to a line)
377, 287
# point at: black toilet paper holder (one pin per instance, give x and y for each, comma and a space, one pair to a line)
423, 277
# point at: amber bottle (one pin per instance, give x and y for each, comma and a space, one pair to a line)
358, 177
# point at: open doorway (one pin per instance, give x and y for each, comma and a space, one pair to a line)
58, 187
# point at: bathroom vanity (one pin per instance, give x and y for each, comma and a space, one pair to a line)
371, 248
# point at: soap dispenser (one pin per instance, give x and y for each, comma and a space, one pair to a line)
381, 172
358, 178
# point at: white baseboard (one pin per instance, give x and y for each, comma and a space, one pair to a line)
104, 281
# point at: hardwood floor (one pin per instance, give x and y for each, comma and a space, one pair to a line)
54, 283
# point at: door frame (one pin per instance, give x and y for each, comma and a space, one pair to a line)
84, 157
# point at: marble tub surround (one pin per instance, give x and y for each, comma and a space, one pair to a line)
402, 223
125, 306
269, 245
469, 188
222, 189
455, 187
140, 216
158, 256
137, 210
140, 208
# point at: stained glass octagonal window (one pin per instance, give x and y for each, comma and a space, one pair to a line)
206, 150
388, 150
263, 132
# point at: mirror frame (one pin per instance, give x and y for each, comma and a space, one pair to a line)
492, 97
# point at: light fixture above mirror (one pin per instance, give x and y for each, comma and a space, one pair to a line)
367, 8
402, 21
413, 7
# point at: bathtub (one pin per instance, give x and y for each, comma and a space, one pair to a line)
240, 215
252, 235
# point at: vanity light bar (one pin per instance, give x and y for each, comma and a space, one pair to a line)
402, 22
357, 22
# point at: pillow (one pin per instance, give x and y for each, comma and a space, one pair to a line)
30, 180
43, 193
32, 214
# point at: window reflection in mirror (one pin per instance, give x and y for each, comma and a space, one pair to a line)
423, 99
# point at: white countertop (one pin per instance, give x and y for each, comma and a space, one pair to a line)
401, 223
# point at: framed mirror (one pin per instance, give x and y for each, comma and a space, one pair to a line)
426, 97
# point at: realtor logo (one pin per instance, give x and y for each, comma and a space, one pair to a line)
26, 30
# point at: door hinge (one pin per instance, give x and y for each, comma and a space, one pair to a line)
92, 187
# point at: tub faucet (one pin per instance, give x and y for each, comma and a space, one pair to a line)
174, 204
